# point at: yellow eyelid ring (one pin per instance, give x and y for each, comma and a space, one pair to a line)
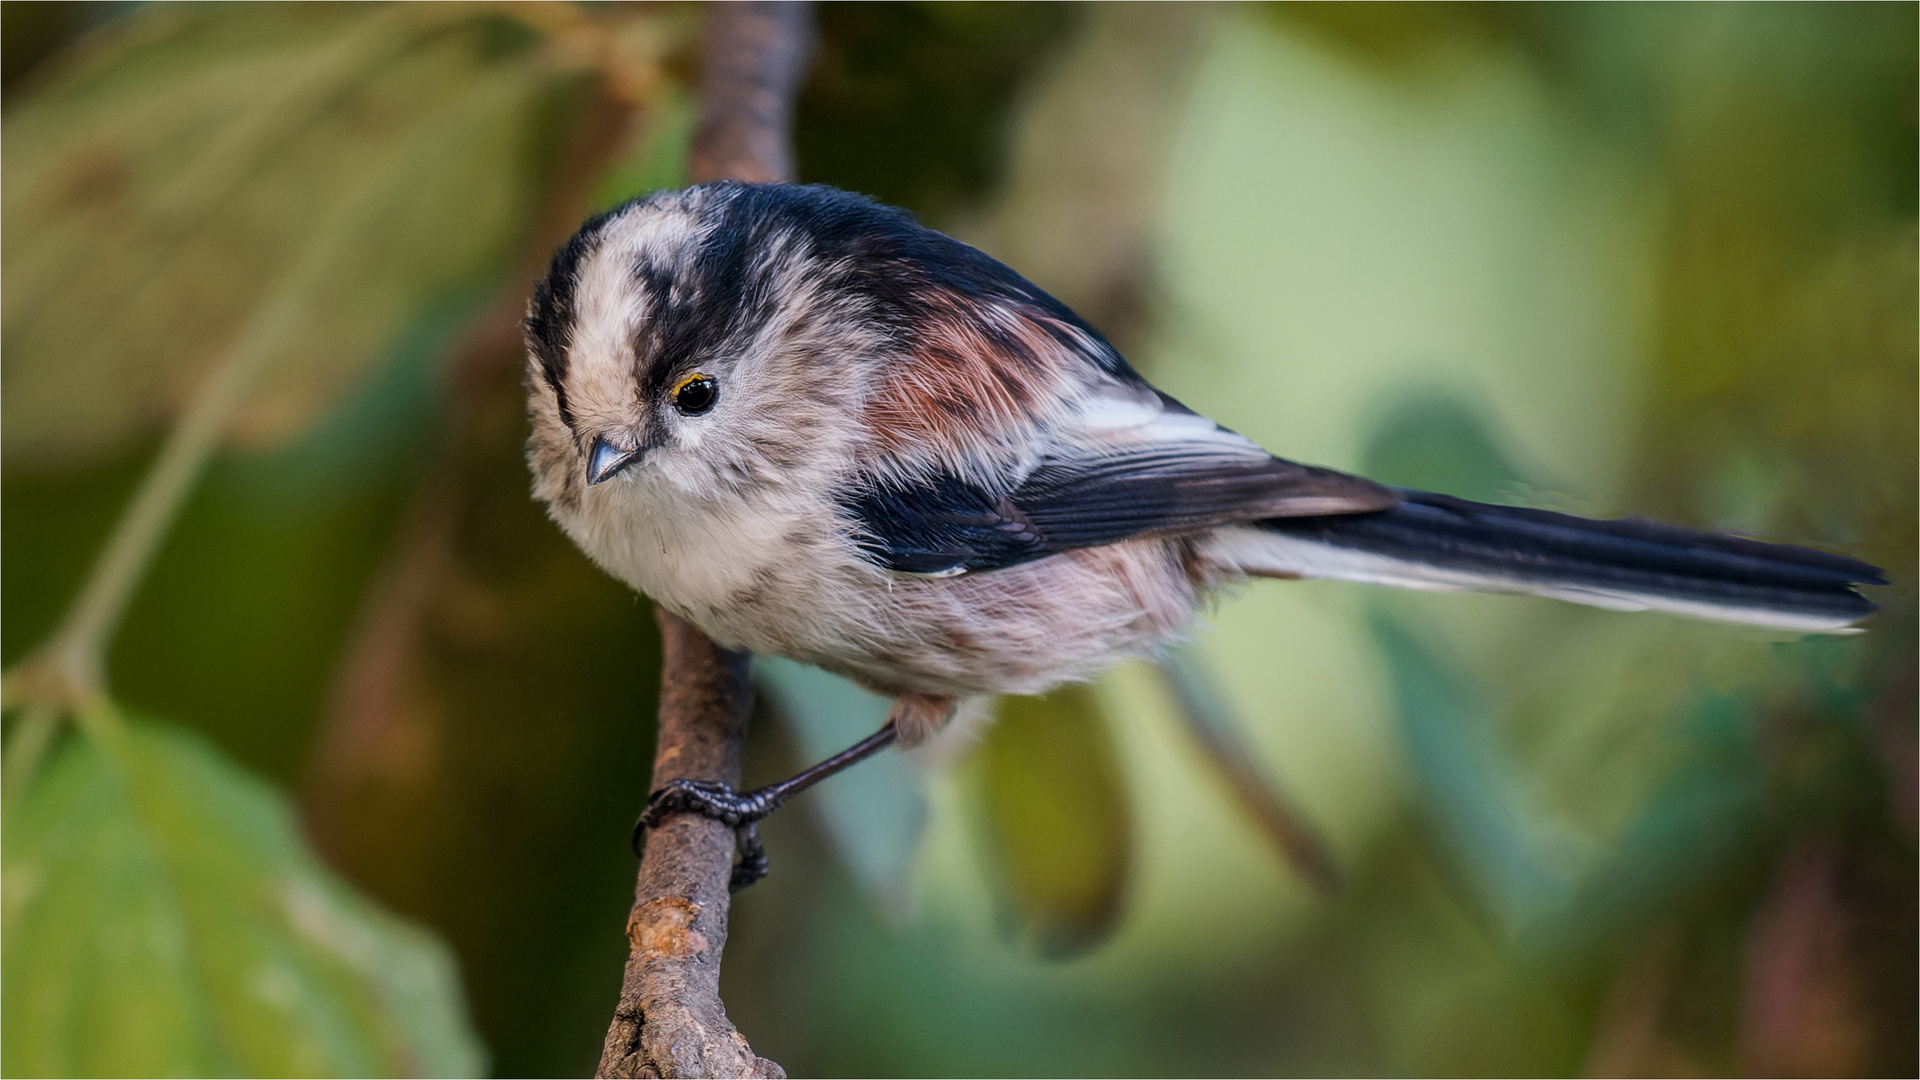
696, 394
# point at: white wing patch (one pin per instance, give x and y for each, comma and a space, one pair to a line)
1130, 418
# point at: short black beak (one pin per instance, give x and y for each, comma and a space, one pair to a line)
606, 460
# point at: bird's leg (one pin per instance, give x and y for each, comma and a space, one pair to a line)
742, 811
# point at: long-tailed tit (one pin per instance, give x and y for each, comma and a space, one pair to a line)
815, 428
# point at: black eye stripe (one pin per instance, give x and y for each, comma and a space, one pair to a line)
696, 394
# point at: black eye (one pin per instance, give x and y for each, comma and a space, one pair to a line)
696, 394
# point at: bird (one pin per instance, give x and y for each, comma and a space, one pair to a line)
814, 427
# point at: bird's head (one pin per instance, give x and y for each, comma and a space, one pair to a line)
689, 344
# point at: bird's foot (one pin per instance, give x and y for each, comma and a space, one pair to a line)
710, 799
740, 811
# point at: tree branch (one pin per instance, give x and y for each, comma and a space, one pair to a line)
755, 55
670, 1021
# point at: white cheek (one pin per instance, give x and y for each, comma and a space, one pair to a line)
687, 435
680, 469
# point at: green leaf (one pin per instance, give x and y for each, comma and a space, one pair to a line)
1707, 814
163, 917
1056, 820
1435, 439
293, 181
1472, 792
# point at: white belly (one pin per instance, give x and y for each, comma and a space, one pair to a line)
785, 581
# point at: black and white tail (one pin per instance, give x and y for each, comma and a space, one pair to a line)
1440, 542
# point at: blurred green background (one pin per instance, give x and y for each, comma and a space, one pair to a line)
1612, 259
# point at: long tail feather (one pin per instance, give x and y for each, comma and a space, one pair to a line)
1440, 542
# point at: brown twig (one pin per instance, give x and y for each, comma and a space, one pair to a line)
755, 53
1258, 793
670, 1021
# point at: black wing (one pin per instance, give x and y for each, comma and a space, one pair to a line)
940, 523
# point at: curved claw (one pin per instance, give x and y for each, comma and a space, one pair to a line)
718, 802
753, 858
709, 799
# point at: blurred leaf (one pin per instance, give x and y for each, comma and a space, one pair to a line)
1056, 819
1470, 786
874, 812
1555, 889
163, 917
1702, 818
1438, 441
297, 181
1393, 35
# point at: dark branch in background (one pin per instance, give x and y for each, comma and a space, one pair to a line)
1259, 794
670, 1021
365, 715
